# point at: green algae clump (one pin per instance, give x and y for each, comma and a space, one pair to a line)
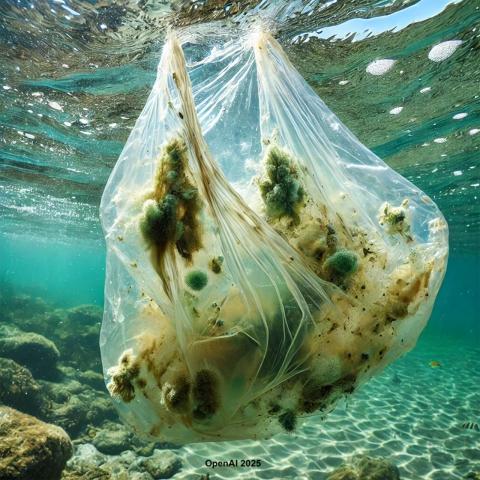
196, 279
159, 222
281, 191
342, 263
171, 216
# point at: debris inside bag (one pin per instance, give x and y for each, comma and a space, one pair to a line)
243, 316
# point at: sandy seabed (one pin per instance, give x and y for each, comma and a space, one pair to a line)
412, 415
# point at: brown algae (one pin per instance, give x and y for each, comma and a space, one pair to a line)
122, 378
170, 215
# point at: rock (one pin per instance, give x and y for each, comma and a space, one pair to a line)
343, 473
31, 449
87, 455
72, 415
18, 388
377, 469
112, 439
366, 468
127, 457
91, 473
76, 406
84, 315
77, 331
101, 409
61, 392
70, 408
86, 465
90, 464
162, 464
33, 351
144, 448
140, 476
20, 309
93, 379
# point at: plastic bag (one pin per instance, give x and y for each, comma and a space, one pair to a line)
261, 262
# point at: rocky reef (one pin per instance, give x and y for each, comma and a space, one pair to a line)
50, 371
19, 389
90, 464
31, 350
57, 421
30, 448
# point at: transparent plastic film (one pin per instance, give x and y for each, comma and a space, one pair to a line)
393, 228
261, 262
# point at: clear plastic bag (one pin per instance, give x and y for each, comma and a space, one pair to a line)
261, 262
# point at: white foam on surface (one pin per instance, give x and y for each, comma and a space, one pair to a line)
443, 50
55, 105
395, 111
380, 67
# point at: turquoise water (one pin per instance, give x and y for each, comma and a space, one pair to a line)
76, 76
69, 275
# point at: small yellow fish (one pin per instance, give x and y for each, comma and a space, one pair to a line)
435, 364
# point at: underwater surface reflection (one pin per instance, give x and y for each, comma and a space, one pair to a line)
77, 74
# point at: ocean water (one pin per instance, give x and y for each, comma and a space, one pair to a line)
76, 75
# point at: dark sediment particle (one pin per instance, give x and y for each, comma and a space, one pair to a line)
288, 420
331, 237
314, 397
275, 408
319, 397
215, 264
205, 395
141, 383
397, 311
347, 383
333, 327
394, 218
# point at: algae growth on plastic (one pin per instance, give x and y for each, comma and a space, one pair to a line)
235, 308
